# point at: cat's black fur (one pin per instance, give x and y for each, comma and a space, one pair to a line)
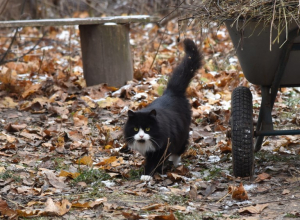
169, 116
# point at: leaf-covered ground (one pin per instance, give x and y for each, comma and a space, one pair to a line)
62, 154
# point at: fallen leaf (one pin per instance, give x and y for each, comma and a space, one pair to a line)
6, 211
85, 160
165, 217
80, 120
89, 204
107, 161
7, 102
253, 209
32, 89
174, 177
56, 208
152, 207
285, 192
57, 182
15, 127
193, 192
68, 174
182, 170
88, 101
239, 193
131, 215
262, 177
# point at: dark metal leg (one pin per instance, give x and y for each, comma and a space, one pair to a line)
264, 122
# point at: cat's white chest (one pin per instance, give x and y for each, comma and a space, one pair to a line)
142, 142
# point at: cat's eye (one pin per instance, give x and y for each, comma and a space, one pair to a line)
135, 129
147, 129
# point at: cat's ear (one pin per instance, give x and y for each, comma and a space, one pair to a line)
152, 112
130, 113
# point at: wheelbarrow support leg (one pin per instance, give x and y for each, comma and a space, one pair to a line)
264, 121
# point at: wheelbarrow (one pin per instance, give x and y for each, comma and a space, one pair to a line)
271, 70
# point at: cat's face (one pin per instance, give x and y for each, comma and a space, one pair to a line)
141, 130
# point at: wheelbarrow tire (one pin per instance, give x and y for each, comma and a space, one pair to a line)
242, 132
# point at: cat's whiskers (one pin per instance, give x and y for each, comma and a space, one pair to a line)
152, 140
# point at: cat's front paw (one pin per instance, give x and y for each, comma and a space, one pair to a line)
146, 178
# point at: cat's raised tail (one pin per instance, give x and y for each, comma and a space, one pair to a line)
185, 71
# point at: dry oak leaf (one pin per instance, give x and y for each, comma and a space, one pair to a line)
27, 213
57, 208
152, 207
238, 193
31, 90
15, 127
80, 120
69, 174
89, 101
174, 177
262, 177
163, 217
132, 216
89, 204
253, 209
8, 76
6, 211
57, 182
7, 102
85, 160
107, 161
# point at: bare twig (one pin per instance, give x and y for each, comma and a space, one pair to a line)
162, 38
28, 52
163, 157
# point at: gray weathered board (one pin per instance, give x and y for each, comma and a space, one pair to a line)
105, 46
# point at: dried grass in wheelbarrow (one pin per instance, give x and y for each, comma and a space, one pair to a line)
273, 13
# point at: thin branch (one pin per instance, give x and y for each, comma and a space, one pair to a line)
28, 52
9, 47
162, 38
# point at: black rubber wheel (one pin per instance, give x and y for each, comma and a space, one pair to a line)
242, 132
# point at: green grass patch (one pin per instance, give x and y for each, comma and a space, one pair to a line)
8, 174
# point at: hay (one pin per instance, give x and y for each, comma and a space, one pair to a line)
204, 12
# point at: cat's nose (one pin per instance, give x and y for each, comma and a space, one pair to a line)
141, 136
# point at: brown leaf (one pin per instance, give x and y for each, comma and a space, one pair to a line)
6, 211
57, 208
8, 76
152, 207
285, 192
90, 204
253, 209
239, 193
193, 192
88, 101
85, 160
131, 215
262, 177
68, 174
7, 102
80, 120
182, 170
57, 182
165, 217
174, 177
15, 127
32, 89
107, 161
210, 189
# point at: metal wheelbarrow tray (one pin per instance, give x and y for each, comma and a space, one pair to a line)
273, 69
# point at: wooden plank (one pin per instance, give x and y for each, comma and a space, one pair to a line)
106, 54
80, 21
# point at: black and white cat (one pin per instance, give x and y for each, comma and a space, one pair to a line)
165, 122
